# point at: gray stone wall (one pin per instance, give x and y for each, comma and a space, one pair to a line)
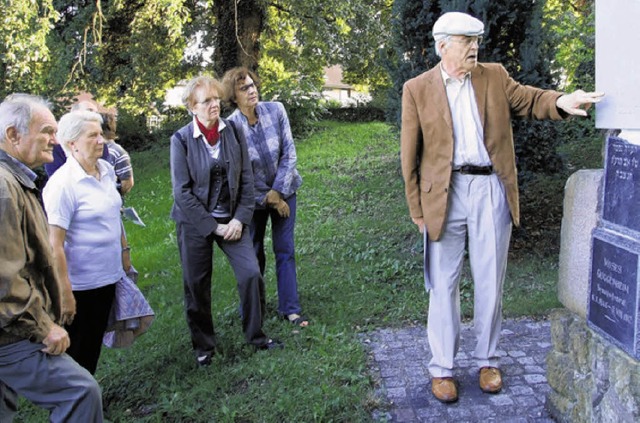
591, 379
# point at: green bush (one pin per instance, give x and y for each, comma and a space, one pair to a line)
303, 111
332, 104
356, 114
303, 104
379, 98
535, 146
133, 133
582, 144
173, 118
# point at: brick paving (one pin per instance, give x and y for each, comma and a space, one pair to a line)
399, 360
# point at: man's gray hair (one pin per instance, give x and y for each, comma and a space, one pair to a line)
16, 111
72, 125
446, 40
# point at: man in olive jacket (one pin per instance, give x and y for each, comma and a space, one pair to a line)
458, 164
32, 341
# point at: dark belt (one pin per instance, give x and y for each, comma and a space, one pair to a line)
223, 220
474, 170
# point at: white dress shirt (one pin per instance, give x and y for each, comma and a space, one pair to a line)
469, 148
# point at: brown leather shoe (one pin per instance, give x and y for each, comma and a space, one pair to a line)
490, 380
444, 389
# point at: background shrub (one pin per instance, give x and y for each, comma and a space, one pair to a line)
356, 114
173, 118
133, 133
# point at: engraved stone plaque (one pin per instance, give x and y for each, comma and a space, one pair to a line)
621, 205
613, 297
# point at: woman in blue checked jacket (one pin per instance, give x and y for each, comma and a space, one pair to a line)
273, 158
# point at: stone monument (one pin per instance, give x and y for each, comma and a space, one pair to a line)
593, 367
614, 296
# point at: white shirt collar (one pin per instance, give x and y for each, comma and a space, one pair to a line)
447, 78
78, 172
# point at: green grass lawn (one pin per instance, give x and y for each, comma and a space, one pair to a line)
359, 267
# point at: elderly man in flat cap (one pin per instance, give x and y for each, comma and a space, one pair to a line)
460, 178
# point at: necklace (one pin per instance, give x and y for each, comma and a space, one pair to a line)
93, 171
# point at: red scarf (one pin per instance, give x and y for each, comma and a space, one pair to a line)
211, 135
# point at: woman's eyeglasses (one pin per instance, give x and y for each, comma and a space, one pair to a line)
247, 87
209, 100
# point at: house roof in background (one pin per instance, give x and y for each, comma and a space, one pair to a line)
333, 78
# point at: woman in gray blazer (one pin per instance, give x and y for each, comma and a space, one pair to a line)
213, 202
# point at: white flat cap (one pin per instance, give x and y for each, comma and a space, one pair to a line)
457, 23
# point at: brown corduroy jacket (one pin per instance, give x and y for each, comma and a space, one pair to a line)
427, 136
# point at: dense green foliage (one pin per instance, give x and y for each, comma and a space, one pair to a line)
128, 53
572, 29
24, 52
360, 269
412, 49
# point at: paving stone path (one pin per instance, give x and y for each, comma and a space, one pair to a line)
399, 360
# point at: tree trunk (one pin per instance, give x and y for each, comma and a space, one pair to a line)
240, 23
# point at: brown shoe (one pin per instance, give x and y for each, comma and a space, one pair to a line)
490, 380
444, 389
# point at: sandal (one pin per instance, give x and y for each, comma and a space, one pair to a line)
296, 319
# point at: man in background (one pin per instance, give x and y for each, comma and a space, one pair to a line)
59, 156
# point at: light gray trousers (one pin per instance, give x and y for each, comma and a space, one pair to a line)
478, 210
53, 382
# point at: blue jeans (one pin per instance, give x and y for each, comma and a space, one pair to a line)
282, 231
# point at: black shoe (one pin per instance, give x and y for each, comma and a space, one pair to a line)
271, 344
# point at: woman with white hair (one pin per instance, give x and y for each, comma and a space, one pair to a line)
83, 210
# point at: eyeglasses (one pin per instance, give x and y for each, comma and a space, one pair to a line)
467, 41
209, 100
247, 87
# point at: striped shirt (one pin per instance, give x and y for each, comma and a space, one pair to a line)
120, 160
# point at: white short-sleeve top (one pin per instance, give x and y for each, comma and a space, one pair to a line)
89, 210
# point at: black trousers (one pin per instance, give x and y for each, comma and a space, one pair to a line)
92, 314
196, 255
